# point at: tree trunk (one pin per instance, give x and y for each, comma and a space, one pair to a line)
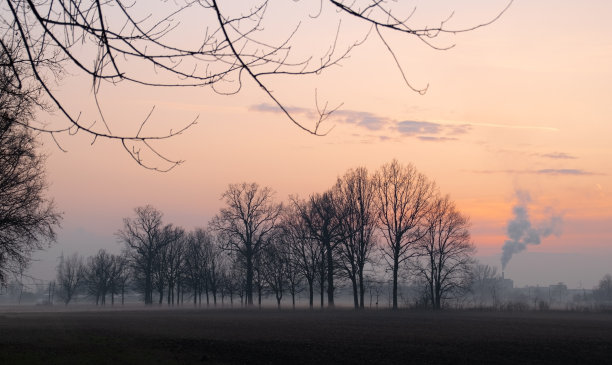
438, 303
259, 295
395, 271
311, 293
361, 289
330, 276
322, 290
249, 276
148, 285
355, 292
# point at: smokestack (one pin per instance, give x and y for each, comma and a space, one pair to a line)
502, 275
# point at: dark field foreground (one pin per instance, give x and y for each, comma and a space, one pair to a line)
342, 336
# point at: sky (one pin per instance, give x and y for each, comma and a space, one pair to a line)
521, 105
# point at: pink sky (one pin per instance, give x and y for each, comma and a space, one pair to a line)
521, 104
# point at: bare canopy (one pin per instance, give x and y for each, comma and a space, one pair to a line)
28, 218
142, 42
245, 224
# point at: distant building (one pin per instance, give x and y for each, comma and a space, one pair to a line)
506, 284
558, 293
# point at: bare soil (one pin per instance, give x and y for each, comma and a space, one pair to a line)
183, 336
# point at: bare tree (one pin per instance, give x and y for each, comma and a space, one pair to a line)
167, 263
603, 290
234, 267
28, 218
174, 255
232, 279
403, 199
323, 218
375, 288
295, 279
197, 262
116, 41
304, 251
246, 221
159, 277
485, 285
275, 263
143, 239
308, 251
216, 265
120, 277
70, 275
356, 196
445, 252
98, 275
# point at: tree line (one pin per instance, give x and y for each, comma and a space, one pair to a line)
391, 221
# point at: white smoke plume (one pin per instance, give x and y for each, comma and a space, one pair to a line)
521, 232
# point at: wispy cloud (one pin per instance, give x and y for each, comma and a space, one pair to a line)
362, 119
459, 129
436, 139
430, 131
271, 108
557, 156
411, 128
422, 130
570, 172
366, 120
514, 126
565, 172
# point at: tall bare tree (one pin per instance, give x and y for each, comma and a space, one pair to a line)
232, 278
98, 275
486, 285
197, 260
445, 252
356, 198
603, 291
403, 199
70, 276
120, 277
305, 251
141, 43
173, 254
217, 262
248, 218
143, 238
28, 218
167, 263
275, 265
322, 216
